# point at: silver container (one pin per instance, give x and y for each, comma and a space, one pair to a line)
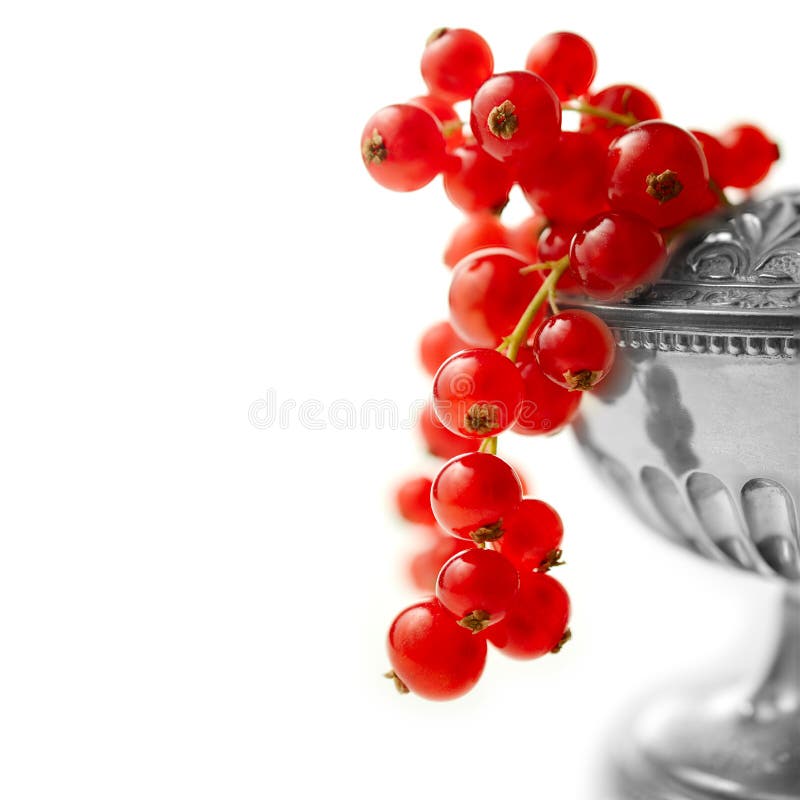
698, 430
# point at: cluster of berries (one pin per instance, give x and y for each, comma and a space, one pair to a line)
606, 200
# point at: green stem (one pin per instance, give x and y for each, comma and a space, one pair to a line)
603, 113
512, 344
489, 445
719, 193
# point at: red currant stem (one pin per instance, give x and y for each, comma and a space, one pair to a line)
537, 267
603, 113
517, 337
719, 193
489, 445
551, 298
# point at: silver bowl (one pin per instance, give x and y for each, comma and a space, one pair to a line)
698, 430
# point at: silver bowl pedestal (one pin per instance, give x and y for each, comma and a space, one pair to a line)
698, 429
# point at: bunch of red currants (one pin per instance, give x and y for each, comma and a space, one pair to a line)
606, 200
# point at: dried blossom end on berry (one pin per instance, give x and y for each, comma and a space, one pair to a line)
502, 121
482, 418
373, 149
487, 533
583, 380
564, 639
477, 621
552, 559
436, 34
398, 684
665, 186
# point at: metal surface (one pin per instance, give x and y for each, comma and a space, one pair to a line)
698, 429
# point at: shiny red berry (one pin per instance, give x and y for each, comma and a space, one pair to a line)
476, 232
478, 182
516, 115
524, 238
621, 98
477, 393
546, 407
402, 147
568, 185
423, 567
431, 655
450, 123
533, 536
716, 156
536, 624
413, 500
658, 171
488, 295
455, 62
438, 440
750, 154
575, 349
473, 493
553, 245
437, 344
566, 61
617, 255
478, 586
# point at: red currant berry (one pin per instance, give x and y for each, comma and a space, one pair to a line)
488, 295
658, 171
413, 500
438, 343
479, 183
402, 147
424, 566
750, 154
438, 440
516, 115
536, 624
450, 123
569, 185
566, 61
621, 99
575, 349
431, 655
533, 536
476, 232
472, 494
524, 238
456, 61
477, 393
617, 255
478, 586
715, 154
553, 245
546, 407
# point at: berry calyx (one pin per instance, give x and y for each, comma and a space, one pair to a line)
472, 494
439, 441
477, 393
658, 171
575, 349
402, 147
431, 655
477, 586
516, 115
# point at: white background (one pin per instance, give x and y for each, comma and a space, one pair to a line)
190, 606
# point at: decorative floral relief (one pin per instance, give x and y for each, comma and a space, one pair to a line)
759, 244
